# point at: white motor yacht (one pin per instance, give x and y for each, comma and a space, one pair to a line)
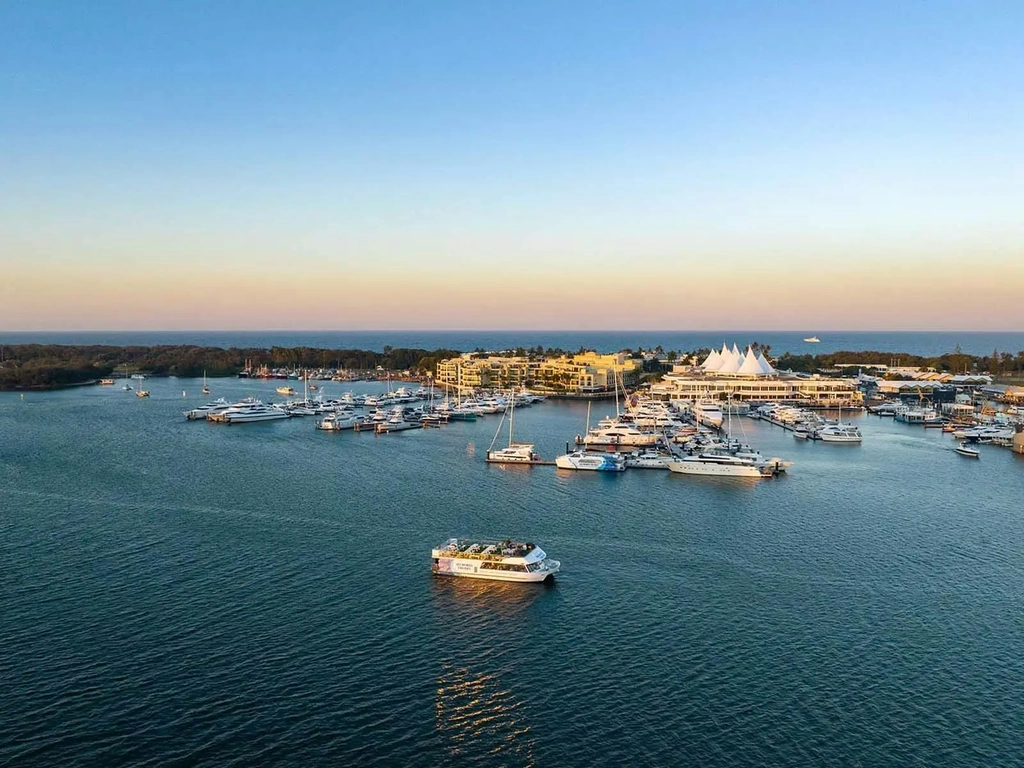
708, 413
396, 422
248, 411
647, 460
612, 432
840, 433
721, 465
338, 422
202, 411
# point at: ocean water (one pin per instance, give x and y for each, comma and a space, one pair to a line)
925, 343
181, 593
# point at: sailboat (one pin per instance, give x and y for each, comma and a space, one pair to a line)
515, 453
206, 389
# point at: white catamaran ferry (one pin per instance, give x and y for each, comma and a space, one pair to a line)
501, 560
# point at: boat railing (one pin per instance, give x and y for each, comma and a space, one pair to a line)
492, 553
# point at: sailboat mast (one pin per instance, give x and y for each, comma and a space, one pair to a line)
511, 417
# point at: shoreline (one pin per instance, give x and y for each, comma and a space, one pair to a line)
51, 367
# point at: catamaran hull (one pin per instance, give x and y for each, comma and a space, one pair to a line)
472, 570
593, 465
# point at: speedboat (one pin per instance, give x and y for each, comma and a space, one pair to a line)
812, 339
965, 450
598, 462
498, 560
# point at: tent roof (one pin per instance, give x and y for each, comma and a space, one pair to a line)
751, 365
712, 362
731, 362
765, 365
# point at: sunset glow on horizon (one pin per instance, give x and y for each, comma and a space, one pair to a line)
663, 166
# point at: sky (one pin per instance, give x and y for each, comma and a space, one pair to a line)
505, 165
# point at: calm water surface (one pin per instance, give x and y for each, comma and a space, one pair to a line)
193, 594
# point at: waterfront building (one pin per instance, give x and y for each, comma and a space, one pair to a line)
749, 376
580, 374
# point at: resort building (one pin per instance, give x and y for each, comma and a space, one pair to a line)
731, 375
585, 373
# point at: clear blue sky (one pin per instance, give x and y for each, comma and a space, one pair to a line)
523, 153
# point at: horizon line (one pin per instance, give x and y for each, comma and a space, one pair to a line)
502, 330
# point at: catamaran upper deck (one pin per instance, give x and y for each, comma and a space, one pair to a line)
507, 551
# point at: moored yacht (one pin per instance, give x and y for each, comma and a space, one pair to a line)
514, 453
721, 465
708, 413
338, 422
612, 432
647, 460
247, 411
498, 560
202, 411
396, 422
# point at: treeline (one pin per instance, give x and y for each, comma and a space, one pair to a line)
996, 364
48, 366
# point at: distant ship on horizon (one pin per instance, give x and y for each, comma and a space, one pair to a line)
812, 340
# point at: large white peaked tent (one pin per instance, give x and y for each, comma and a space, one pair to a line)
751, 366
731, 360
712, 362
765, 365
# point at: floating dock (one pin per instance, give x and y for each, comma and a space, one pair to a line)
533, 463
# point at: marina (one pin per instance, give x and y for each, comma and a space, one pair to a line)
300, 465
